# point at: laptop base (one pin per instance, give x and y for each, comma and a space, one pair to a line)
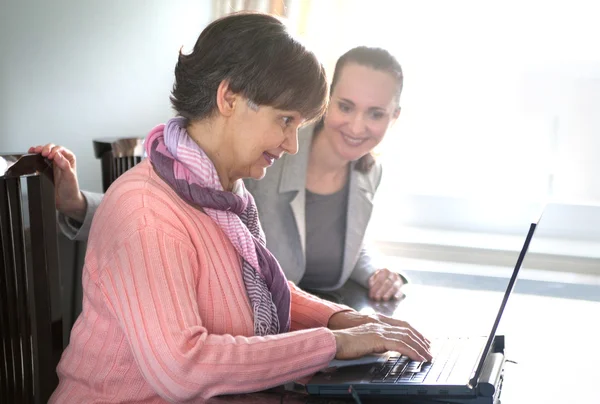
486, 391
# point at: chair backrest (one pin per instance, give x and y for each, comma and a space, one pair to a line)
117, 155
30, 310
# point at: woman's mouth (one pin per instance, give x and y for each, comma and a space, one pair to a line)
354, 141
270, 158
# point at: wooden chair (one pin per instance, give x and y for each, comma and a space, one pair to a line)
117, 155
31, 335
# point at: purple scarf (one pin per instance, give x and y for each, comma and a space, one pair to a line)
189, 171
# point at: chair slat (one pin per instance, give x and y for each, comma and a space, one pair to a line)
30, 302
46, 282
11, 333
6, 376
23, 345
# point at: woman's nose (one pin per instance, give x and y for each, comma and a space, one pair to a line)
290, 144
357, 125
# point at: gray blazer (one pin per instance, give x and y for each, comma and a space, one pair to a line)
80, 231
280, 197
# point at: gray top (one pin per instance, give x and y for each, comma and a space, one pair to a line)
325, 238
281, 200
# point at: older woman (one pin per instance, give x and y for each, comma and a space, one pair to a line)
182, 299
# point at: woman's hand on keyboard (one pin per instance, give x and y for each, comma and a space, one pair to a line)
378, 337
349, 319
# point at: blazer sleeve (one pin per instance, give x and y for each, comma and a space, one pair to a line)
75, 230
364, 268
368, 261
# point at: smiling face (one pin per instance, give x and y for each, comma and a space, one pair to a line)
260, 136
363, 106
243, 139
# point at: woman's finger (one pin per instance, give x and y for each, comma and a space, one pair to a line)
60, 161
386, 290
69, 156
54, 150
382, 287
46, 149
374, 279
376, 283
399, 294
403, 324
375, 290
413, 336
391, 292
414, 332
400, 343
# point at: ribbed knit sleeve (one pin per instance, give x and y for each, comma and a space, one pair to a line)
150, 286
309, 311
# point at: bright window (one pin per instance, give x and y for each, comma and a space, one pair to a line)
500, 102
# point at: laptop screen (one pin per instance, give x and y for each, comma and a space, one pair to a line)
509, 289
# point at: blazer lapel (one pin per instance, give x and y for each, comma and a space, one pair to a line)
293, 178
360, 206
298, 205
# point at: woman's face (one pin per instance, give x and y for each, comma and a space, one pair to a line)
262, 135
363, 106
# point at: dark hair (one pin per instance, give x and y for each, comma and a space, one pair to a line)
375, 58
261, 61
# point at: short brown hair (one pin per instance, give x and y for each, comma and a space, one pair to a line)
261, 61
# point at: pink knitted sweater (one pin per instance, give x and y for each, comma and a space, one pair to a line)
165, 312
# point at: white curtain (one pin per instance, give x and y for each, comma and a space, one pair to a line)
224, 7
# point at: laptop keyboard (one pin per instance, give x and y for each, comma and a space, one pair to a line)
400, 369
445, 351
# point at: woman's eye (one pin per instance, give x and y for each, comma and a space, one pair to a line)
376, 115
287, 120
343, 107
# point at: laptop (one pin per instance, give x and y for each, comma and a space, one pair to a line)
463, 369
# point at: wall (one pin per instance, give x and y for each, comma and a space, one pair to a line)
72, 71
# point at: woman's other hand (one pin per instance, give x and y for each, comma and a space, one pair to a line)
69, 199
385, 285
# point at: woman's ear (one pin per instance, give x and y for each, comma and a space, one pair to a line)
395, 116
226, 99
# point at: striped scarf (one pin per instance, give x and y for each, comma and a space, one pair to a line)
188, 170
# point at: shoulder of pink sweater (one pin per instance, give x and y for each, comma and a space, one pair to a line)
140, 184
140, 199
